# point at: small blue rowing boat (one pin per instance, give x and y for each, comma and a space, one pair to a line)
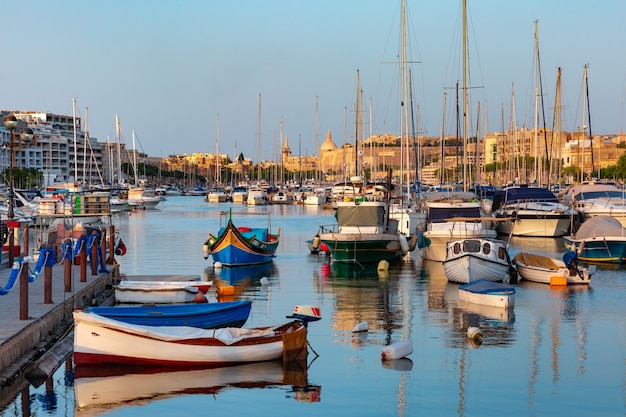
205, 316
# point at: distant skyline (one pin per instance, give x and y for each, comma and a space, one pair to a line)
168, 68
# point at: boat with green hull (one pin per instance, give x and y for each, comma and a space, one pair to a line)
364, 234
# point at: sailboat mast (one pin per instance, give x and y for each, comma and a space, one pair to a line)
589, 121
135, 159
356, 124
465, 104
218, 168
536, 133
259, 142
403, 104
120, 179
75, 141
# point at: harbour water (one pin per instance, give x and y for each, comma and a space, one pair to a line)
559, 351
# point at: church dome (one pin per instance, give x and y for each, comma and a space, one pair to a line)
328, 144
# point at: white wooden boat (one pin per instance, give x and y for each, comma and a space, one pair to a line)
474, 259
488, 293
101, 341
542, 269
155, 292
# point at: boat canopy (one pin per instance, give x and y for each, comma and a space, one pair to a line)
607, 226
441, 214
361, 215
523, 194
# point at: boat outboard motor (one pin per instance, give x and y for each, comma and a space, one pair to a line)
570, 258
306, 314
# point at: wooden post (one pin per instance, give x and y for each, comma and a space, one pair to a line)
82, 256
47, 279
103, 244
111, 259
24, 291
25, 251
93, 256
11, 243
67, 265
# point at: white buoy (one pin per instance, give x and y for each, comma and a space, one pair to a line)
217, 264
205, 251
404, 244
360, 327
397, 350
264, 281
474, 334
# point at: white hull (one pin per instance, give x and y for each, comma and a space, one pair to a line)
502, 300
314, 200
466, 267
145, 203
217, 198
439, 238
154, 293
536, 225
541, 269
101, 340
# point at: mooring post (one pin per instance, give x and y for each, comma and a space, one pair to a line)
93, 255
24, 291
111, 258
82, 256
25, 252
67, 265
47, 279
11, 226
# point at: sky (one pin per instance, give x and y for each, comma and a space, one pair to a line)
171, 69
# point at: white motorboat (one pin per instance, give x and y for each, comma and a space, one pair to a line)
488, 293
543, 269
473, 259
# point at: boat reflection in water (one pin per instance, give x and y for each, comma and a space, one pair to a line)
241, 275
99, 389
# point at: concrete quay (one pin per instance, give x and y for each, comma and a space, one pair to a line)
23, 341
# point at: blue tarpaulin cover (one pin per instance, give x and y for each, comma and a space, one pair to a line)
485, 287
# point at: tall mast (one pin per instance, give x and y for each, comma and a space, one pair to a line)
356, 123
589, 120
259, 142
465, 104
135, 159
75, 141
118, 133
536, 135
218, 168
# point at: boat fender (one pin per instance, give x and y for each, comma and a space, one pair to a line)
404, 245
121, 248
397, 350
200, 298
383, 266
474, 334
413, 242
316, 242
217, 265
324, 248
205, 251
360, 327
264, 281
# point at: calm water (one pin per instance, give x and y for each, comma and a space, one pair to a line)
559, 351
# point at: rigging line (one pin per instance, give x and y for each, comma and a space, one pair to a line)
589, 117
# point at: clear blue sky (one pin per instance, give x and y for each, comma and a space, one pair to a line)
167, 68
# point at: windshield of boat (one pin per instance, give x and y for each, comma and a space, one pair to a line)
600, 194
